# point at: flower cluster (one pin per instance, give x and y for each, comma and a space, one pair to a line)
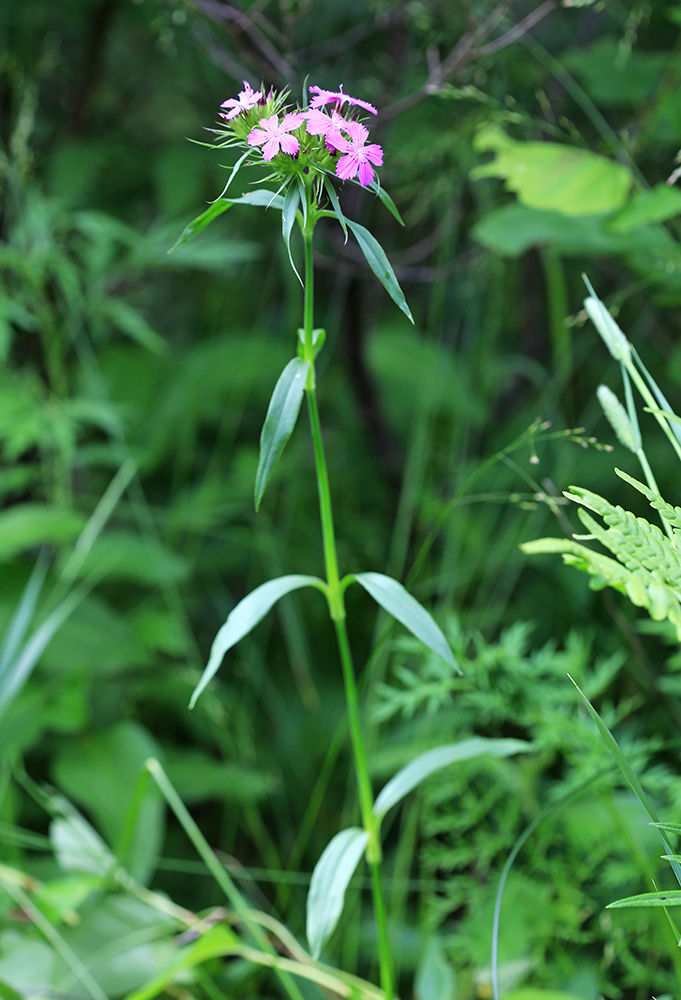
325, 136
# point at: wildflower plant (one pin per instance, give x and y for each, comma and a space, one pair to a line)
308, 149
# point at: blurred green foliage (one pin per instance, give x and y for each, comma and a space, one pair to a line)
132, 392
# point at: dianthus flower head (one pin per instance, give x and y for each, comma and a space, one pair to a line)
247, 99
319, 123
358, 157
274, 136
323, 97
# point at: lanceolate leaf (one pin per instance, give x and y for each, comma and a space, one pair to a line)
398, 602
329, 881
387, 200
380, 265
288, 217
261, 198
246, 616
282, 414
427, 763
627, 770
671, 898
338, 211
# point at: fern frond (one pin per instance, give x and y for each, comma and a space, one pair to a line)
671, 514
643, 588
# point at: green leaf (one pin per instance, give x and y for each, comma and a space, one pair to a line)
387, 201
329, 881
30, 524
553, 176
246, 616
627, 771
23, 616
398, 602
282, 414
427, 763
338, 211
217, 941
646, 207
262, 198
670, 898
288, 217
100, 773
380, 265
435, 978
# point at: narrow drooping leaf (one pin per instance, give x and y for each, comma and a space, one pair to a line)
22, 617
398, 602
282, 414
329, 881
246, 616
338, 211
627, 771
427, 763
380, 265
288, 217
19, 669
261, 198
386, 199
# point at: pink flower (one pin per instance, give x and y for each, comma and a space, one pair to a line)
323, 97
273, 136
318, 123
358, 156
247, 99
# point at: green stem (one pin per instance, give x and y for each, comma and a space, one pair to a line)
337, 612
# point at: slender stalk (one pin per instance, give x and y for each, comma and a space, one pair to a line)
337, 612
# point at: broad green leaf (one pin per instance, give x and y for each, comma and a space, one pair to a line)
435, 978
398, 602
30, 524
380, 265
282, 414
79, 848
626, 769
433, 760
658, 205
512, 229
529, 993
671, 898
552, 176
100, 773
288, 217
329, 881
246, 616
262, 198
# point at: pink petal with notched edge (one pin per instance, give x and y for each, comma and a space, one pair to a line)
289, 144
271, 148
374, 153
292, 120
365, 173
347, 166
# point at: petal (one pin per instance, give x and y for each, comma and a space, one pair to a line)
374, 153
289, 144
317, 123
271, 148
347, 166
291, 121
366, 173
256, 137
357, 131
